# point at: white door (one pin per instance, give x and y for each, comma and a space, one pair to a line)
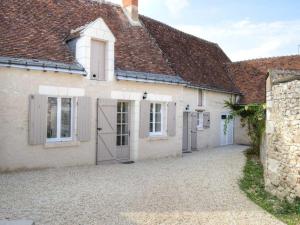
226, 137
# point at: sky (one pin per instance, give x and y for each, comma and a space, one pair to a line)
244, 29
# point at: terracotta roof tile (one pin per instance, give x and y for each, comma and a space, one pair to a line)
38, 29
198, 61
250, 76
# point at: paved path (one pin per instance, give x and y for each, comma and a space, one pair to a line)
200, 188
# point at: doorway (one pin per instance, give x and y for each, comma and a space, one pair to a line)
123, 131
226, 136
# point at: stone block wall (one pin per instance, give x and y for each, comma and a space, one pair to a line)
281, 146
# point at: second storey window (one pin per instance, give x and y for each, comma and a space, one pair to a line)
155, 119
59, 119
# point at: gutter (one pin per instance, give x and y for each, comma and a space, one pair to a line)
213, 89
41, 65
150, 81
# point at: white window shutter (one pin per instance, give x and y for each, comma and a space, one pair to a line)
84, 112
37, 132
144, 119
171, 123
206, 119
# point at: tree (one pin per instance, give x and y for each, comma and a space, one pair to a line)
253, 116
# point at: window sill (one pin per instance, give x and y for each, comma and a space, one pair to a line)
200, 129
158, 138
62, 144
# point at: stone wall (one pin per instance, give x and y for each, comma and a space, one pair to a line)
282, 139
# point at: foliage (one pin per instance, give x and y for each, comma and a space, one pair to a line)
253, 185
253, 116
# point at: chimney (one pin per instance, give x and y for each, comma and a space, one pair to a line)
131, 8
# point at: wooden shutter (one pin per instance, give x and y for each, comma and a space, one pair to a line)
84, 112
144, 119
107, 130
194, 120
98, 60
171, 123
200, 97
38, 105
206, 119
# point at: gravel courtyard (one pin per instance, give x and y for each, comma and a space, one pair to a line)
200, 188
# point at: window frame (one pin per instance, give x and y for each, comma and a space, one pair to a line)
200, 124
58, 121
200, 93
153, 132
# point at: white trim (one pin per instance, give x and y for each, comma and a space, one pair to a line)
58, 122
61, 91
153, 132
137, 96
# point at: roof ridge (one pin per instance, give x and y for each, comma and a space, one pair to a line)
180, 31
266, 58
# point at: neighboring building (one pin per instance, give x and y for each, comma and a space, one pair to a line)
84, 82
250, 78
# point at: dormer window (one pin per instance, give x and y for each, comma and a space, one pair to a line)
98, 58
93, 45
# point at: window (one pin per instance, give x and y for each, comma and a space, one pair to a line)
122, 124
59, 119
200, 120
155, 119
200, 98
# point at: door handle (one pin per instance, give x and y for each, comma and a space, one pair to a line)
99, 129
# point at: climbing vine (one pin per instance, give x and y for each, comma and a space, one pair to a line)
253, 116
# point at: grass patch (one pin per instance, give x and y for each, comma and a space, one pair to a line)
253, 185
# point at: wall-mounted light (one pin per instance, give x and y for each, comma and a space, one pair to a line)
187, 108
145, 95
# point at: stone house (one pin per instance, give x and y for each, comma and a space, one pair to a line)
250, 78
86, 82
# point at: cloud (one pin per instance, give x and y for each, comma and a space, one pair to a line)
176, 6
246, 39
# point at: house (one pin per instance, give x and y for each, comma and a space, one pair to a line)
85, 82
250, 77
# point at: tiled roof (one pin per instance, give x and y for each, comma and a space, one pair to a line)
250, 76
198, 61
36, 29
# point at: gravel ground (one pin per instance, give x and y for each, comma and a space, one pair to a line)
200, 188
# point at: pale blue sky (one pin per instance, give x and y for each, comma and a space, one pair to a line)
245, 29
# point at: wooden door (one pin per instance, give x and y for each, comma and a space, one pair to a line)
194, 131
186, 132
106, 130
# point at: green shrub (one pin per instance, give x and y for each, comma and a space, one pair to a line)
253, 185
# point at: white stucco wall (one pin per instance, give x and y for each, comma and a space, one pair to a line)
213, 103
241, 136
17, 84
15, 87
